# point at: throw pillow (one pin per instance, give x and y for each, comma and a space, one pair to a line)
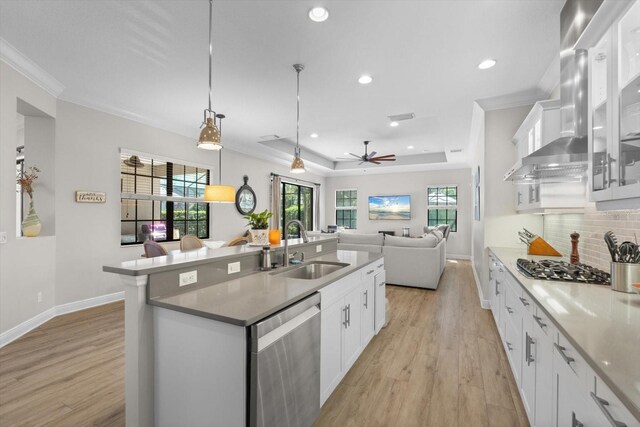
438, 234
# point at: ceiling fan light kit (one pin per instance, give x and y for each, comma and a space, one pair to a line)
210, 134
297, 165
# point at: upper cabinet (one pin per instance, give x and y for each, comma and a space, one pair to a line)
614, 114
539, 128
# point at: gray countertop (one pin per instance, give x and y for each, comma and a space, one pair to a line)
249, 299
179, 259
602, 324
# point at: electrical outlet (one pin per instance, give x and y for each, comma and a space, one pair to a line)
188, 278
3, 237
318, 248
233, 267
39, 296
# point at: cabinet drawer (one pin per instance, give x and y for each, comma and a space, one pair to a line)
526, 302
513, 346
372, 269
572, 358
544, 324
512, 306
609, 407
338, 289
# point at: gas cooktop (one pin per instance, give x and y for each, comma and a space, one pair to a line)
562, 271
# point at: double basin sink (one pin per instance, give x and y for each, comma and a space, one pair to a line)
311, 270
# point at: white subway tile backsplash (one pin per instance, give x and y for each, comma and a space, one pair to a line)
591, 225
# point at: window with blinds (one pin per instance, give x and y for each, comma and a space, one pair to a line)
161, 200
442, 206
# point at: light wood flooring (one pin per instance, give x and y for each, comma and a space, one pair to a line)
67, 372
438, 363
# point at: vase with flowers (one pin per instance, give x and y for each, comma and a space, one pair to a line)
31, 225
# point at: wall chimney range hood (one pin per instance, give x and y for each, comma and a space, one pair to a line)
566, 158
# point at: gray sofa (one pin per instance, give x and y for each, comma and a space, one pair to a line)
417, 262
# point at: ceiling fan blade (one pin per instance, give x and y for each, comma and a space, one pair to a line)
361, 162
355, 155
347, 159
373, 154
386, 155
385, 160
373, 161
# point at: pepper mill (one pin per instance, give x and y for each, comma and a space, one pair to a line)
575, 256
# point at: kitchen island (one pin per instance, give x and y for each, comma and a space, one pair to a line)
190, 342
590, 329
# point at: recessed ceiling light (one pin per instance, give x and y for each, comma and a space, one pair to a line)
318, 14
346, 154
410, 147
365, 79
487, 63
314, 135
394, 124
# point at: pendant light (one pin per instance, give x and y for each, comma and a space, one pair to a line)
297, 166
219, 193
210, 135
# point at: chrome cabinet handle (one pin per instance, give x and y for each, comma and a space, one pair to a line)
509, 309
370, 271
519, 198
366, 299
381, 265
349, 315
500, 270
564, 356
574, 421
540, 322
529, 342
509, 346
497, 291
602, 404
382, 283
524, 301
490, 274
344, 311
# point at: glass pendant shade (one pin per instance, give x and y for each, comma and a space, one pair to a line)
210, 136
297, 165
219, 194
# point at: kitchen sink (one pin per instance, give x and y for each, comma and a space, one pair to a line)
312, 270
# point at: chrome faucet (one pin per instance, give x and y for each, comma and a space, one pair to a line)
303, 234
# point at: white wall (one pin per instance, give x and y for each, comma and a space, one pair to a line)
67, 267
415, 184
27, 265
499, 221
89, 234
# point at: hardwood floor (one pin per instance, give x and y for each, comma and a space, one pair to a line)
438, 363
67, 372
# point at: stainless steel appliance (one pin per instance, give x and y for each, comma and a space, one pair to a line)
284, 387
562, 271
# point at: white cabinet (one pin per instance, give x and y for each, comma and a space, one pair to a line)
332, 318
381, 299
614, 114
347, 323
557, 386
368, 309
351, 339
541, 349
571, 406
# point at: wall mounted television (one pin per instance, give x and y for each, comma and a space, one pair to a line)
390, 207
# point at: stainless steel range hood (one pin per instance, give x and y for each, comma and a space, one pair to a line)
566, 157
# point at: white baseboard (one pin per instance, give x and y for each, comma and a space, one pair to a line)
88, 303
26, 326
484, 303
29, 325
455, 256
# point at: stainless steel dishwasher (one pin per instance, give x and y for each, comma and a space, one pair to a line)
284, 389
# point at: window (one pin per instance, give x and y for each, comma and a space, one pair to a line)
161, 200
442, 206
297, 203
346, 202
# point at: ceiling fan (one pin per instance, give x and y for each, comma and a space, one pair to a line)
370, 158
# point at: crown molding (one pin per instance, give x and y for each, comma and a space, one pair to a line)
25, 66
